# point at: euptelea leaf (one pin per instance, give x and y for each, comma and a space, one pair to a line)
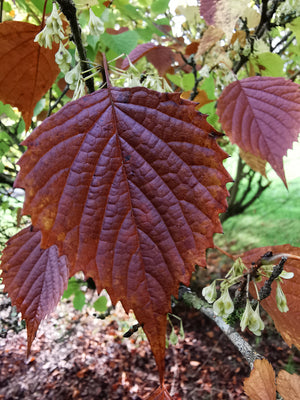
34, 278
27, 70
262, 116
128, 183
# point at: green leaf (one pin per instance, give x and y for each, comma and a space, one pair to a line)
210, 110
208, 85
100, 304
159, 6
5, 136
122, 43
39, 107
268, 64
73, 287
79, 300
6, 109
185, 82
295, 27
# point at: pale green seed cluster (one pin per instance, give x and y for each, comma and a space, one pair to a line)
53, 30
224, 306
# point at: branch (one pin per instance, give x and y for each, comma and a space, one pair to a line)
265, 291
69, 10
239, 342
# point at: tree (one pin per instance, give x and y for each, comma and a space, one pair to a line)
126, 183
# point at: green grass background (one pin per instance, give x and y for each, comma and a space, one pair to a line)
272, 219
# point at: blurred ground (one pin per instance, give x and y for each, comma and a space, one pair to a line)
79, 356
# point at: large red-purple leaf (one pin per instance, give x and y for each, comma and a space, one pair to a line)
27, 70
262, 116
129, 184
287, 324
34, 279
160, 56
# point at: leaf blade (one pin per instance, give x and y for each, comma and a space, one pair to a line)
27, 71
129, 184
262, 116
34, 278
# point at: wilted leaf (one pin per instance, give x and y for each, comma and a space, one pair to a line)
209, 39
27, 71
288, 324
222, 13
261, 383
255, 163
201, 98
160, 56
160, 393
288, 385
34, 278
262, 116
129, 184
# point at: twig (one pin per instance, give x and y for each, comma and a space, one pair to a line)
265, 291
51, 108
69, 10
1, 9
239, 342
225, 252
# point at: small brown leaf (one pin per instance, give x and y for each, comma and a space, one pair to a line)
27, 70
209, 39
34, 279
261, 383
255, 163
201, 98
288, 324
288, 385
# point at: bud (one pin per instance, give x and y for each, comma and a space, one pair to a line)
281, 299
96, 26
210, 292
224, 305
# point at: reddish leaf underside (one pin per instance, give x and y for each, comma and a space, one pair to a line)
129, 184
34, 279
287, 324
261, 383
262, 116
27, 71
160, 56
